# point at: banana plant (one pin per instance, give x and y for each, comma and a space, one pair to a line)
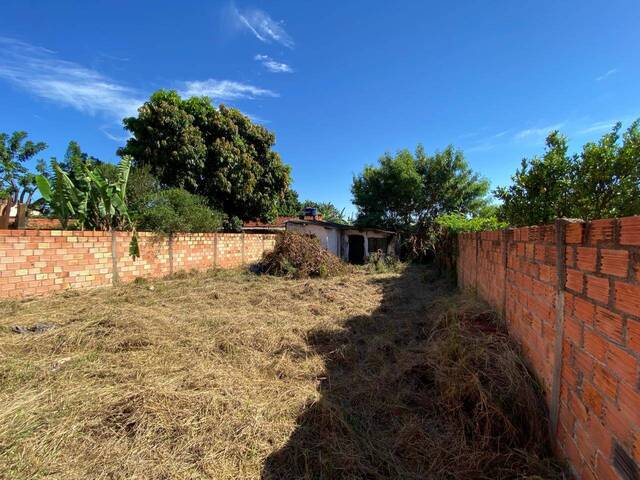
64, 198
92, 201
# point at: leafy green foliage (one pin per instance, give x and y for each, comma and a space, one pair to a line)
289, 205
408, 189
75, 158
603, 181
217, 153
176, 210
391, 194
380, 262
406, 193
606, 176
143, 186
92, 200
17, 183
458, 223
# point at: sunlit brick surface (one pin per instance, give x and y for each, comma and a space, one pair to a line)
38, 262
600, 376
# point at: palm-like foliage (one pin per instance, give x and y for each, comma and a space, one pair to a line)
92, 200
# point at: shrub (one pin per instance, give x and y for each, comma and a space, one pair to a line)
380, 262
176, 210
451, 224
300, 256
458, 223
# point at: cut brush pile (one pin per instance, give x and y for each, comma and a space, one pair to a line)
301, 256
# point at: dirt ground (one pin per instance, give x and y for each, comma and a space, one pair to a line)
223, 375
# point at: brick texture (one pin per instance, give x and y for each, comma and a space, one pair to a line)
516, 272
39, 262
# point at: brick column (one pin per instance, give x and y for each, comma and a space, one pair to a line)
115, 278
561, 276
215, 249
242, 248
170, 248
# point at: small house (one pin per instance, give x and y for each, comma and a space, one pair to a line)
351, 243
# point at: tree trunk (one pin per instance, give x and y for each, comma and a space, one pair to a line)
5, 211
21, 216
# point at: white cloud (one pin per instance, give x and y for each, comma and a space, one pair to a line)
263, 27
597, 127
223, 90
273, 66
116, 137
606, 75
538, 132
39, 71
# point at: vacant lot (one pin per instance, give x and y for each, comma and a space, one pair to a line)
231, 375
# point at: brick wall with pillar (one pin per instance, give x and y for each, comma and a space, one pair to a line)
38, 262
570, 293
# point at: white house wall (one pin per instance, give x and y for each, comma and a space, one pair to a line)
329, 237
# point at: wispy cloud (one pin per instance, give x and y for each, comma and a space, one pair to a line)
606, 75
263, 27
40, 72
537, 131
597, 127
224, 90
120, 137
273, 66
486, 143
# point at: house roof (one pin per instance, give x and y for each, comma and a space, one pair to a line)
339, 226
277, 224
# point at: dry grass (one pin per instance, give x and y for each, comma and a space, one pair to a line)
230, 375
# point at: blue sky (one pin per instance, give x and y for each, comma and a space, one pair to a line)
339, 83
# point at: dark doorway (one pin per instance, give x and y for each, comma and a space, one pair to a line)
356, 249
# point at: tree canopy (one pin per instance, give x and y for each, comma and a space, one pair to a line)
17, 183
602, 181
217, 153
408, 189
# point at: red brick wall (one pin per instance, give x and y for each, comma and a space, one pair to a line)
38, 262
598, 399
39, 223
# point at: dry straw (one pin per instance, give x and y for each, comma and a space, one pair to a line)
229, 375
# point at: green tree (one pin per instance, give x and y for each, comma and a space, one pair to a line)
289, 205
602, 181
541, 189
606, 176
143, 186
176, 210
17, 183
217, 153
409, 190
391, 194
75, 159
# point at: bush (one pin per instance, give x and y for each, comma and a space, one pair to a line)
458, 223
176, 210
300, 256
451, 224
380, 262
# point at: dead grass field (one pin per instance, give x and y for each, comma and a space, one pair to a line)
230, 375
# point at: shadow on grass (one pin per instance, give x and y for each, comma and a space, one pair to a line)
376, 417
